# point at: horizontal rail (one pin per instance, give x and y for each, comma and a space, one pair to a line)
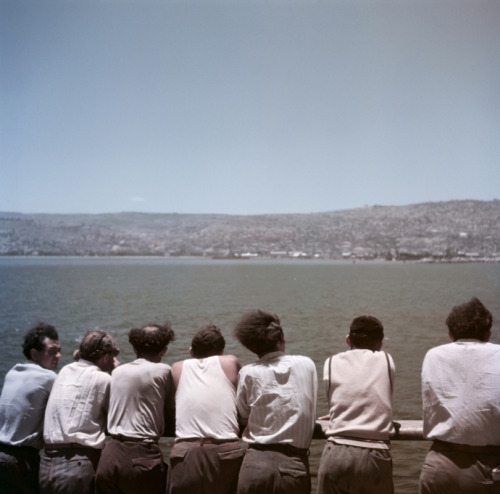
404, 430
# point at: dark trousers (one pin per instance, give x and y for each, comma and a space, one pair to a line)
131, 467
451, 468
19, 469
198, 467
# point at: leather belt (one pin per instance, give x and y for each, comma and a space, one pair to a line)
205, 440
286, 449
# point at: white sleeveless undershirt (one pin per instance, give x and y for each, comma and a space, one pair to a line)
205, 401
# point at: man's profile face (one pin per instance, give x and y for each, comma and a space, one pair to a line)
49, 356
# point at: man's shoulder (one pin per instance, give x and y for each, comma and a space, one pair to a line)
460, 345
139, 366
229, 360
178, 364
358, 353
36, 370
301, 359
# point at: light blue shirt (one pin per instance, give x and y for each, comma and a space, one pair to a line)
22, 404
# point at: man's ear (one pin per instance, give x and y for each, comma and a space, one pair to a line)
191, 352
348, 341
34, 354
379, 346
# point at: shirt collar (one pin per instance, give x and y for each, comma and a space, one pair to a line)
271, 356
86, 362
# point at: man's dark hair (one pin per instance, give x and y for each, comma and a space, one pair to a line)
470, 320
366, 332
259, 331
207, 341
96, 343
151, 339
35, 337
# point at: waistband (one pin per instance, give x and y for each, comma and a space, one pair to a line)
58, 446
127, 439
286, 449
204, 440
488, 450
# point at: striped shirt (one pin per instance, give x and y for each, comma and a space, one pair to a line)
77, 407
276, 396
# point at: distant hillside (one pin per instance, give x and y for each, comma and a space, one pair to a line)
439, 230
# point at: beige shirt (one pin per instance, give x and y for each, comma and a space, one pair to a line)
359, 390
141, 399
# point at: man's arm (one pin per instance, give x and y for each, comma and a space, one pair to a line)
176, 372
231, 366
169, 409
242, 406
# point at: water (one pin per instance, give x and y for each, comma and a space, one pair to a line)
316, 301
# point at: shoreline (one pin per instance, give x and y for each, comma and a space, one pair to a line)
254, 259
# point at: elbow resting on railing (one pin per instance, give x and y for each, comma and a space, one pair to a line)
404, 430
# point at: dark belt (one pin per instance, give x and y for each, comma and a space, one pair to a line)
286, 449
126, 439
205, 440
58, 446
466, 448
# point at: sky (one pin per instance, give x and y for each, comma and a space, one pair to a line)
247, 107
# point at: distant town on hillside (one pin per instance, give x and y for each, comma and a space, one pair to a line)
465, 230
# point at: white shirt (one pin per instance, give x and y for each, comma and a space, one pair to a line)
461, 393
22, 404
77, 407
141, 399
277, 395
359, 386
205, 401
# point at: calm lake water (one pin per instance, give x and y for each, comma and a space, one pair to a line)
315, 300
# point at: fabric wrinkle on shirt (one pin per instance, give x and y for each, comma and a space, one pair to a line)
277, 394
461, 393
76, 410
23, 400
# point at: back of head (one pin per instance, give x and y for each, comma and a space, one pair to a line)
150, 339
208, 341
34, 338
470, 320
366, 332
95, 344
259, 331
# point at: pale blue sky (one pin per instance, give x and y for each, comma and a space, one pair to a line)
247, 107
